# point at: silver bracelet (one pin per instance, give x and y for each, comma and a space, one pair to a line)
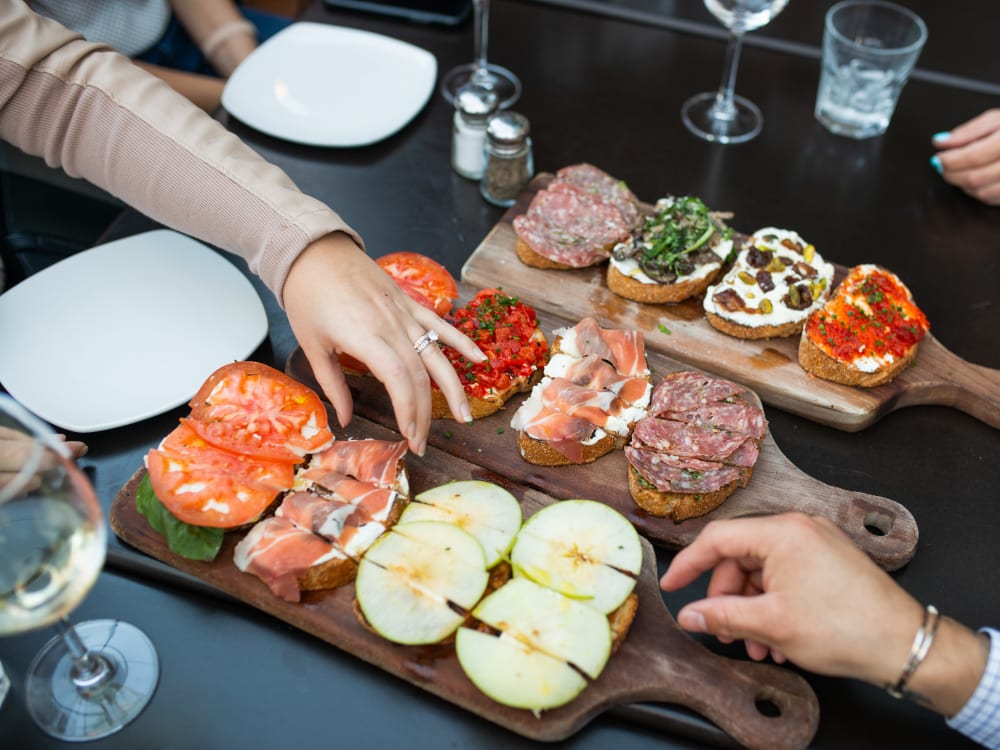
918, 651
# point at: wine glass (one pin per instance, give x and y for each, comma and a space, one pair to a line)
722, 116
498, 79
93, 678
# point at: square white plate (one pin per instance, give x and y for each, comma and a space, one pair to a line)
325, 85
126, 330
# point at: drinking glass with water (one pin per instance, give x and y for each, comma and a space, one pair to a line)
869, 49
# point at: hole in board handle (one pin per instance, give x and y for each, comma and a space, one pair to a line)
767, 707
877, 524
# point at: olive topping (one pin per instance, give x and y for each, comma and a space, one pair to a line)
799, 297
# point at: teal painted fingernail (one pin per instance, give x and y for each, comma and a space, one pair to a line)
936, 163
942, 136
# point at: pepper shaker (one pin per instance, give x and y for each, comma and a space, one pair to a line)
474, 104
509, 161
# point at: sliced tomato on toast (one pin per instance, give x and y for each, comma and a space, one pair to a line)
204, 485
423, 279
254, 410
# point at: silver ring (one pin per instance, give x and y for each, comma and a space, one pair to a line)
426, 340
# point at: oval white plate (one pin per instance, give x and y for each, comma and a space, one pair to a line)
325, 85
125, 330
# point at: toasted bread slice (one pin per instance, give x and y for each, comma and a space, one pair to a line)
817, 362
740, 331
540, 453
621, 620
530, 258
679, 506
626, 286
338, 571
483, 407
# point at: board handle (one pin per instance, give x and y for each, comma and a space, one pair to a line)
945, 379
882, 528
758, 705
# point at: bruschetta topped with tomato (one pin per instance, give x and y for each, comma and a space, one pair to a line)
507, 332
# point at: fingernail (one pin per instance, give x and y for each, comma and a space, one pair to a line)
411, 431
422, 449
466, 414
942, 136
692, 620
936, 163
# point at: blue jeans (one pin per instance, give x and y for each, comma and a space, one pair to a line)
177, 50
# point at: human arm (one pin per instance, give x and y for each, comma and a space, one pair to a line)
91, 111
969, 156
796, 587
222, 34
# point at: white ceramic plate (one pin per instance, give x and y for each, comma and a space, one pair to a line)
325, 85
126, 330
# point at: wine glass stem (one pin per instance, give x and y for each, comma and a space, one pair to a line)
90, 671
481, 18
724, 109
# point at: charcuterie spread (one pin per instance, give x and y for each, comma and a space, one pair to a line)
679, 250
576, 221
697, 446
868, 331
594, 389
775, 282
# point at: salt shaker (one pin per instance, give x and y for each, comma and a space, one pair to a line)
474, 104
509, 161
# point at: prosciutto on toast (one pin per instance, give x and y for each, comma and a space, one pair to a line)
594, 389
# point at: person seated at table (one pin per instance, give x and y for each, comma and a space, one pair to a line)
88, 109
969, 156
797, 588
191, 44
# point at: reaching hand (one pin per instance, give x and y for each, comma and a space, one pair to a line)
339, 301
969, 157
797, 587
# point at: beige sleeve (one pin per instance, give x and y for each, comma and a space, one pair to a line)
87, 109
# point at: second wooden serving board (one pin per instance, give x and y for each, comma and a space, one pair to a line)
881, 527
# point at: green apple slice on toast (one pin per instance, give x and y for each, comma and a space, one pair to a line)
546, 647
487, 511
413, 579
583, 549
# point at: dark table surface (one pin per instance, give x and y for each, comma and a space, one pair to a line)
608, 91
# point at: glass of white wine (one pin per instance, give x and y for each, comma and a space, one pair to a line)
722, 116
496, 78
95, 677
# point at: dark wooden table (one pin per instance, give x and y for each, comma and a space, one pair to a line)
608, 90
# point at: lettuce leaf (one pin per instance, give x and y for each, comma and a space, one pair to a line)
192, 542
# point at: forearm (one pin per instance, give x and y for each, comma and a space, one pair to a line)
91, 111
219, 30
949, 674
204, 91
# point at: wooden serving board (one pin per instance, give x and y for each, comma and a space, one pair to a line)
881, 527
770, 367
658, 662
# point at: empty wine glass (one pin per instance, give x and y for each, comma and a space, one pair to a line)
722, 116
505, 84
95, 677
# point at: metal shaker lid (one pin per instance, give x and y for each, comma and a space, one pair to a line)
508, 129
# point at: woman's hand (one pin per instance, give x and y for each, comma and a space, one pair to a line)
969, 157
339, 301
